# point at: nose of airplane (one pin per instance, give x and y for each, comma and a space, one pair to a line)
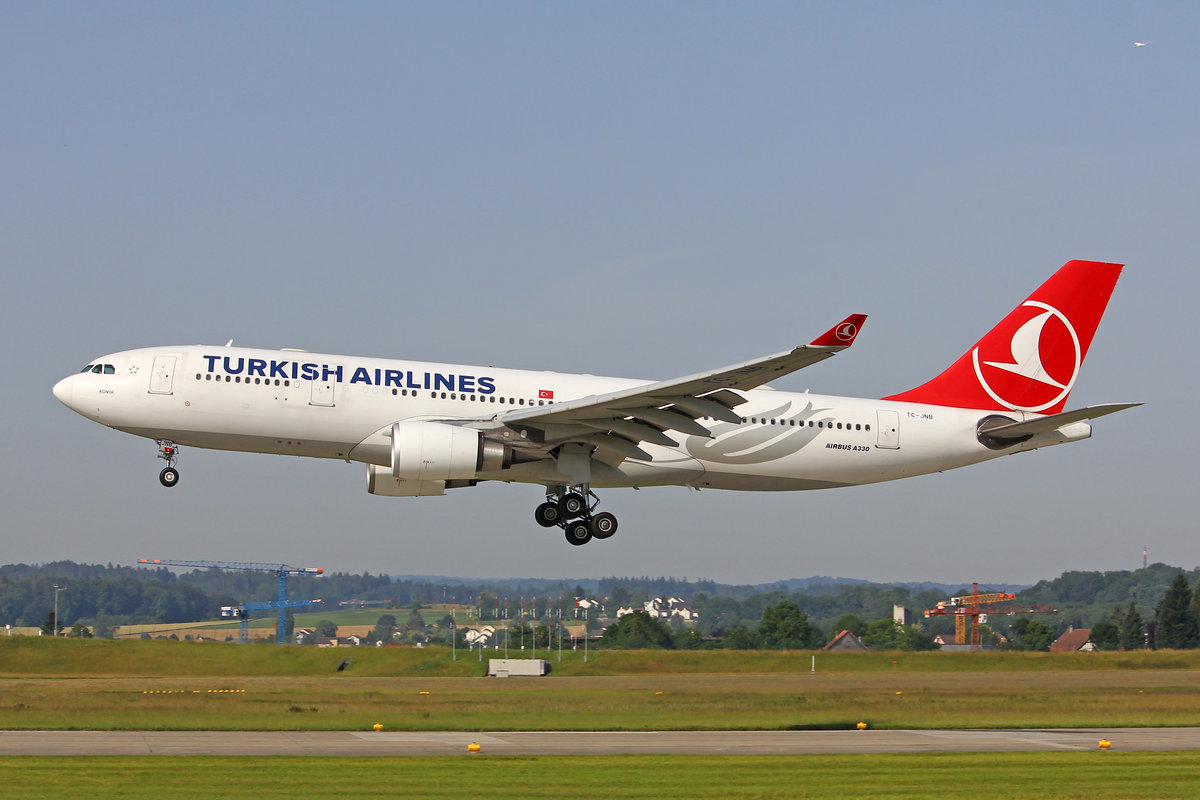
64, 390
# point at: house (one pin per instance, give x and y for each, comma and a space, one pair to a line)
478, 636
845, 641
1074, 640
670, 608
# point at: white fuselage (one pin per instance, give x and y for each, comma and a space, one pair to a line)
328, 406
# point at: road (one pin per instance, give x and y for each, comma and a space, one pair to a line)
388, 743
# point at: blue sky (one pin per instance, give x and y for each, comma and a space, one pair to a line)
631, 189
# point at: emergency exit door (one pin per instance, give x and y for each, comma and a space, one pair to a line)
162, 375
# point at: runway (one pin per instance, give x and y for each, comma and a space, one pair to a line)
405, 743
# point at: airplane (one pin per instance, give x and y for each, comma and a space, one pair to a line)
424, 428
1140, 44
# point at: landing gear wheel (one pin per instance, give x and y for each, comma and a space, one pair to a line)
579, 532
603, 525
572, 505
168, 477
547, 515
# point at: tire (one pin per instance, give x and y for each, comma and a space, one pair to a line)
604, 525
168, 477
572, 505
547, 515
579, 532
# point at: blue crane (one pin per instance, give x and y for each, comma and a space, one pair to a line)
282, 570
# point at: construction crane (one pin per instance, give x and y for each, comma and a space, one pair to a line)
282, 570
972, 607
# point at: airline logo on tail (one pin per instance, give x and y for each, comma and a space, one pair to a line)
1031, 360
846, 332
1041, 364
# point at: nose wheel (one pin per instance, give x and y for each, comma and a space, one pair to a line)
168, 452
572, 510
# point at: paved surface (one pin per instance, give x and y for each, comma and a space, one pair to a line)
386, 743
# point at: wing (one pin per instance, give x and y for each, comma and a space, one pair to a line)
619, 421
1019, 431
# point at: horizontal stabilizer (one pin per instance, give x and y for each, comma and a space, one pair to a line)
1032, 427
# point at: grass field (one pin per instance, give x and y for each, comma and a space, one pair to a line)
983, 776
104, 685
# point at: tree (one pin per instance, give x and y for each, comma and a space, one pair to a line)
1176, 628
916, 639
785, 627
1029, 634
1133, 631
1106, 636
80, 631
1194, 606
385, 626
326, 628
883, 634
852, 623
638, 631
739, 637
48, 627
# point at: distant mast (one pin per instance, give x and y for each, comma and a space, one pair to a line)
1144, 555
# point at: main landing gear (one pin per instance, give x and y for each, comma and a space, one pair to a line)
570, 508
168, 452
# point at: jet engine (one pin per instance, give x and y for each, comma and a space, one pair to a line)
435, 451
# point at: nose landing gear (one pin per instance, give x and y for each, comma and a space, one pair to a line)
168, 452
571, 508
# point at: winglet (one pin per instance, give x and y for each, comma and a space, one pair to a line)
842, 334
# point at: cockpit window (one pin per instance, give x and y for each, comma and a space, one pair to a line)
98, 369
88, 368
108, 369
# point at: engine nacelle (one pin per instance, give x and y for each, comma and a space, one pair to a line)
435, 451
380, 481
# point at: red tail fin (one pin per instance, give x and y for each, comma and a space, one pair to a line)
1030, 361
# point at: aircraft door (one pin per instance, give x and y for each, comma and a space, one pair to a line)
889, 430
162, 375
322, 393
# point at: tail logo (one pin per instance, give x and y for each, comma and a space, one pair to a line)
846, 331
1041, 364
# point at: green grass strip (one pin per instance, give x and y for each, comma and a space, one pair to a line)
976, 775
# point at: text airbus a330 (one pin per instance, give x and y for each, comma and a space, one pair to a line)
423, 428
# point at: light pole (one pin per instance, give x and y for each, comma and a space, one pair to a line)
57, 589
